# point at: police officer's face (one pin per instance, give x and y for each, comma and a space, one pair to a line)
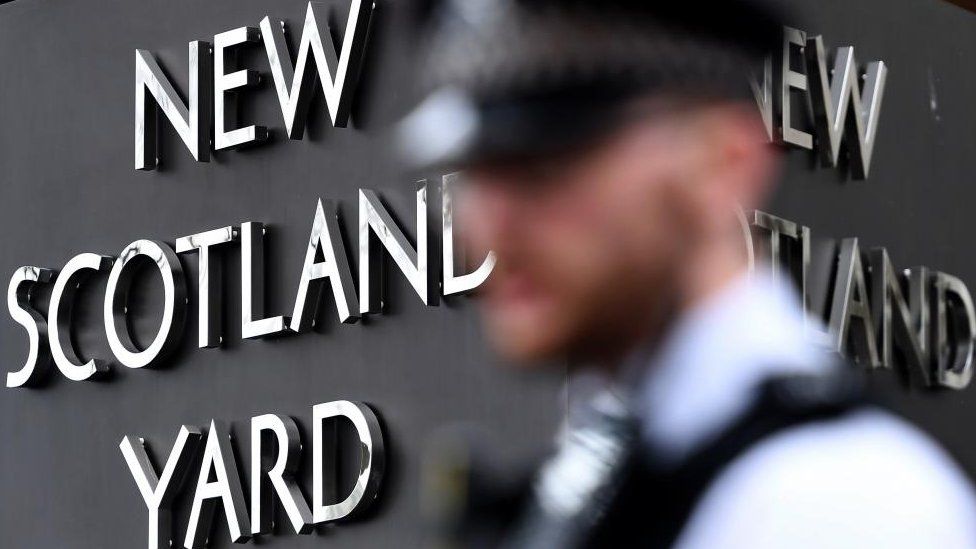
596, 247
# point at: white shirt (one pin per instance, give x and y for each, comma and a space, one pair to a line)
868, 480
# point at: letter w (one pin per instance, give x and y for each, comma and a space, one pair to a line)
833, 97
294, 84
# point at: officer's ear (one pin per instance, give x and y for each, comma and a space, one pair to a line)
738, 164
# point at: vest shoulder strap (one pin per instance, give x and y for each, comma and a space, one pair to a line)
655, 501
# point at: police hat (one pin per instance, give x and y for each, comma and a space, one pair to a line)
510, 78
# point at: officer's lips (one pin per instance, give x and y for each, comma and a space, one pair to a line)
516, 301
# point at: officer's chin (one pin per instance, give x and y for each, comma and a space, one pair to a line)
525, 338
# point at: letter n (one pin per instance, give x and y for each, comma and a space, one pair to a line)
191, 120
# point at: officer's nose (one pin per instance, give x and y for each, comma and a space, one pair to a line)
491, 213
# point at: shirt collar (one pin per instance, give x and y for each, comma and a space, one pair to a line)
702, 377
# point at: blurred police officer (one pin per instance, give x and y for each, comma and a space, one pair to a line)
607, 147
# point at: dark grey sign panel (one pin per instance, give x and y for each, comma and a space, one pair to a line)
69, 187
265, 348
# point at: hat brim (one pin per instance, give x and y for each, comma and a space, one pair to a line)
449, 130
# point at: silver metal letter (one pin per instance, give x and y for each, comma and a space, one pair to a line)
59, 317
218, 456
457, 284
373, 218
192, 123
919, 299
747, 240
793, 80
796, 258
763, 92
209, 300
372, 464
850, 303
18, 303
225, 102
252, 286
888, 290
953, 350
159, 492
281, 476
334, 266
294, 84
174, 305
833, 96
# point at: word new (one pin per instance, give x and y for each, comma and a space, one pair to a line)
208, 108
839, 105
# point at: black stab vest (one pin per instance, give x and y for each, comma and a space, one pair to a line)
643, 502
